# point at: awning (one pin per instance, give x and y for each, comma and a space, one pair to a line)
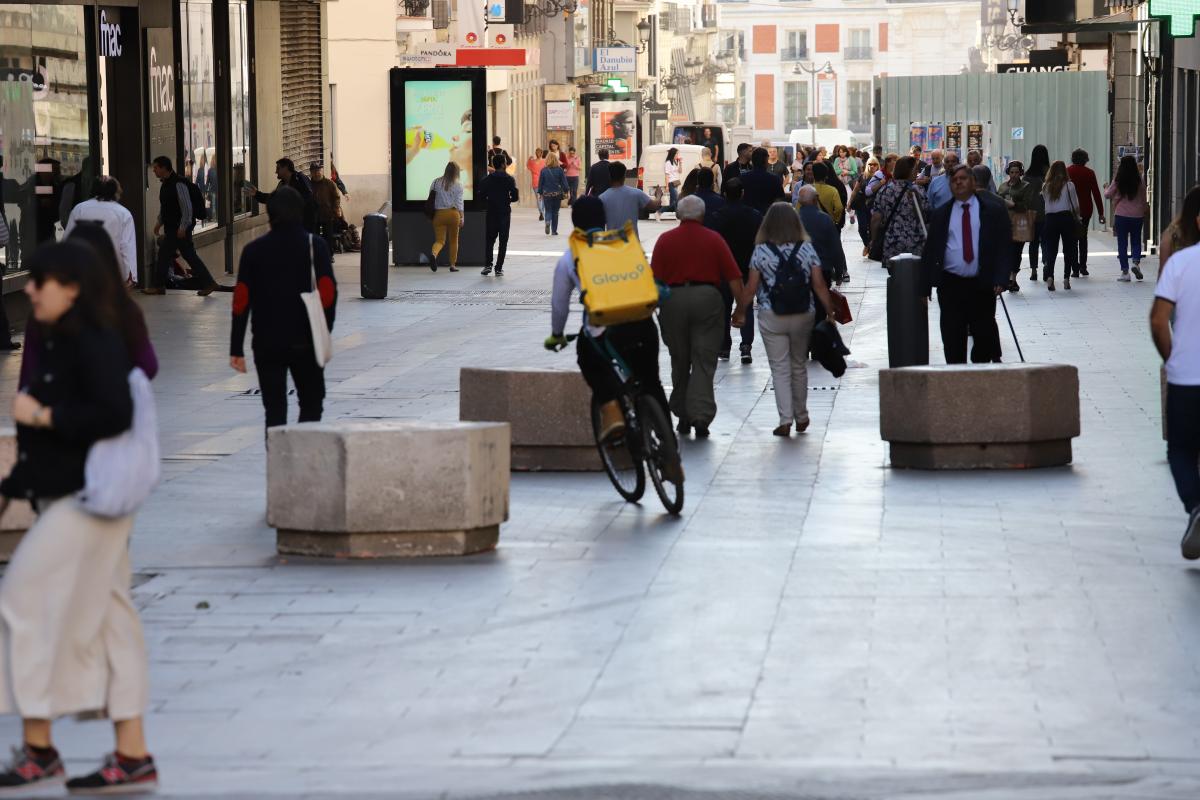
1120, 22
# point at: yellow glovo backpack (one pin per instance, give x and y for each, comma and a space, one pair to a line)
615, 281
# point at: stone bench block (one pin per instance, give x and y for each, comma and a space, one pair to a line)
549, 411
979, 416
387, 489
19, 516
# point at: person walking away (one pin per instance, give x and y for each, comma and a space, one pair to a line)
1175, 326
707, 163
693, 261
968, 260
635, 342
861, 204
498, 191
71, 642
939, 188
738, 224
1017, 195
740, 165
1128, 190
785, 274
672, 176
497, 150
599, 177
983, 178
975, 159
329, 205
1184, 230
624, 203
535, 165
713, 202
286, 172
573, 166
759, 187
105, 210
175, 223
552, 188
273, 272
823, 236
1062, 222
830, 200
448, 216
1035, 175
1088, 191
901, 213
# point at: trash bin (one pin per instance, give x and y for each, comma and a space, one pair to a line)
907, 313
373, 262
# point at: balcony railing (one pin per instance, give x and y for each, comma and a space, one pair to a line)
415, 8
794, 54
859, 53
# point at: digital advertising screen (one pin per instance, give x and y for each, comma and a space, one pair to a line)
438, 129
613, 126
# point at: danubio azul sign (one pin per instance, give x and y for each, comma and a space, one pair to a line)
615, 59
1180, 15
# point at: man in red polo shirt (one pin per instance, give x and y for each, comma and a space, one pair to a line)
694, 261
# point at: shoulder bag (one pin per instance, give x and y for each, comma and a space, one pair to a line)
322, 341
121, 471
880, 233
431, 203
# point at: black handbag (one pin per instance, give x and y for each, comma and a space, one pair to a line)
430, 207
876, 251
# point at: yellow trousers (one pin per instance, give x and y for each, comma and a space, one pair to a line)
445, 232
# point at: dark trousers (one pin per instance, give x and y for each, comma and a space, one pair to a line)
864, 226
1183, 442
551, 207
1082, 243
273, 368
1129, 232
968, 309
573, 185
325, 231
167, 248
637, 344
1060, 226
497, 227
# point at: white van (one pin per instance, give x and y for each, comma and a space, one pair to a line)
652, 172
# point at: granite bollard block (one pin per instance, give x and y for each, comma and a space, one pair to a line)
387, 489
979, 416
549, 411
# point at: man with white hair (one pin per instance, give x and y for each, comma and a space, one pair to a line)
694, 261
823, 234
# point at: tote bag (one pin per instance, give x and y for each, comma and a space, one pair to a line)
121, 471
1022, 225
322, 341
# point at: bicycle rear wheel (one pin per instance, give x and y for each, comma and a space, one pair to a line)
621, 459
662, 454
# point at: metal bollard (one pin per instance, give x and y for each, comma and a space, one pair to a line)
373, 261
907, 313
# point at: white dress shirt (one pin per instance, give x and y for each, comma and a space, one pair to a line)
954, 262
117, 223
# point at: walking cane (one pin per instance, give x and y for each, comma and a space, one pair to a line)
1011, 328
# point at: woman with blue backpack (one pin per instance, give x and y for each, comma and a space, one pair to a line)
785, 274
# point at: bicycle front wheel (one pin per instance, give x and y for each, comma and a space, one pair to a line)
621, 460
662, 454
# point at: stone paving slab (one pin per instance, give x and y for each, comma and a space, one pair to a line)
813, 625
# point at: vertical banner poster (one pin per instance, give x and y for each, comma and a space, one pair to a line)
954, 139
438, 129
917, 135
937, 137
472, 25
826, 97
612, 125
975, 136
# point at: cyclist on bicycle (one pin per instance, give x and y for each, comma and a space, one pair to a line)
635, 342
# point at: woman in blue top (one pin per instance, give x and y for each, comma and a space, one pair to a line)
552, 188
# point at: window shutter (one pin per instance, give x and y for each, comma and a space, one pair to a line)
300, 40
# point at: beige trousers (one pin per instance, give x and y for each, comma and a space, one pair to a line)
785, 337
70, 638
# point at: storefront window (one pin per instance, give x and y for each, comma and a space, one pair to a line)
199, 103
239, 96
45, 165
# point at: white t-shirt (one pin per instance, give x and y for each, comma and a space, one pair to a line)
1180, 284
117, 223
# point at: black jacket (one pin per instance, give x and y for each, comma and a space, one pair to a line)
995, 243
599, 178
303, 185
272, 273
761, 189
826, 241
828, 349
83, 376
168, 201
738, 225
499, 191
734, 169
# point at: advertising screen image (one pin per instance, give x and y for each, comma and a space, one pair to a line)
437, 130
613, 126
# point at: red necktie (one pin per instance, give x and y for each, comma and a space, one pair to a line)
968, 245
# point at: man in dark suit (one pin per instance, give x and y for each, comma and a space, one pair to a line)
738, 225
964, 258
599, 178
823, 234
759, 186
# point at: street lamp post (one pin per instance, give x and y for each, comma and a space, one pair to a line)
813, 71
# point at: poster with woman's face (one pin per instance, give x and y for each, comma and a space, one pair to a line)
437, 130
613, 127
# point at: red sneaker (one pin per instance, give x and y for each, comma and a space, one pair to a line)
27, 770
117, 778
